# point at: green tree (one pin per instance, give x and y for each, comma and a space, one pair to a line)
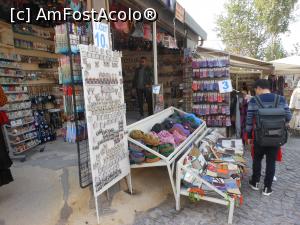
252, 27
276, 16
296, 50
275, 51
240, 29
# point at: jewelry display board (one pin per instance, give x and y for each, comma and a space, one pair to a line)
106, 117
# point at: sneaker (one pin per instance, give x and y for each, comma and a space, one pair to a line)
253, 186
274, 178
267, 191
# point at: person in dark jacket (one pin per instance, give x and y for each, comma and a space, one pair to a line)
142, 82
262, 90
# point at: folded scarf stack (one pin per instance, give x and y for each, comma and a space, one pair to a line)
164, 137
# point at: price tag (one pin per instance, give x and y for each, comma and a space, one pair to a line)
156, 89
225, 86
100, 33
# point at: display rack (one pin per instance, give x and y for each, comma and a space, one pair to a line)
208, 103
67, 38
20, 134
145, 125
192, 168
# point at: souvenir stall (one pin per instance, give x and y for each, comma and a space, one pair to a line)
135, 41
212, 170
160, 139
289, 69
206, 72
29, 78
36, 73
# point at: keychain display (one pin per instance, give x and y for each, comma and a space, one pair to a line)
64, 70
45, 131
211, 62
78, 35
208, 102
211, 109
211, 97
211, 73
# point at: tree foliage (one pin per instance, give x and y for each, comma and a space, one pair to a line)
275, 51
240, 29
296, 50
275, 14
252, 27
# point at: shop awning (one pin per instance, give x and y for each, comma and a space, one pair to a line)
288, 65
241, 63
166, 14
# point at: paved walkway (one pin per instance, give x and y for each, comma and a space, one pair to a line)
282, 207
46, 192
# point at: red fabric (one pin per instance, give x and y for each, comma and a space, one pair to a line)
3, 118
279, 154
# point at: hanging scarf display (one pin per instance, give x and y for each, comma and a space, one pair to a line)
138, 30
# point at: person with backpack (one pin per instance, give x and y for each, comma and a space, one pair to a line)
267, 118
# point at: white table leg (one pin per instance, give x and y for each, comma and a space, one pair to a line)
231, 209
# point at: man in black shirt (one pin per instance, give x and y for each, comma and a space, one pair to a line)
142, 82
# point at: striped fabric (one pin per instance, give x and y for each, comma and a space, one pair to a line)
268, 101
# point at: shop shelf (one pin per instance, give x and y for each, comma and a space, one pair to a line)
32, 38
20, 142
143, 165
15, 101
13, 110
15, 92
9, 75
21, 124
10, 84
19, 153
19, 117
37, 53
24, 132
6, 46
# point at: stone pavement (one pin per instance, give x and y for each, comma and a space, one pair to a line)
282, 207
46, 192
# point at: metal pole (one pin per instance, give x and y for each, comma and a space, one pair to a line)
155, 54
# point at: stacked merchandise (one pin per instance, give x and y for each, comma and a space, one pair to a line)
45, 131
41, 104
187, 80
70, 76
20, 135
220, 163
208, 102
163, 138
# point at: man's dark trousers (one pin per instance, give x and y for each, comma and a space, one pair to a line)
141, 95
271, 155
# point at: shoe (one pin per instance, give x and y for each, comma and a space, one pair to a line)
267, 191
253, 186
274, 178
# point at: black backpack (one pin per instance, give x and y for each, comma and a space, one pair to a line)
271, 130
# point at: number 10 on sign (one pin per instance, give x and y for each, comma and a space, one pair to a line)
100, 33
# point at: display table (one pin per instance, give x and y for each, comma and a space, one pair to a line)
146, 124
206, 186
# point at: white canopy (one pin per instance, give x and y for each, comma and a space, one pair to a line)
288, 65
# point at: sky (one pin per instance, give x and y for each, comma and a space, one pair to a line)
205, 13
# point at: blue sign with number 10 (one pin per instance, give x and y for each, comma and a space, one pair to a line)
101, 38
